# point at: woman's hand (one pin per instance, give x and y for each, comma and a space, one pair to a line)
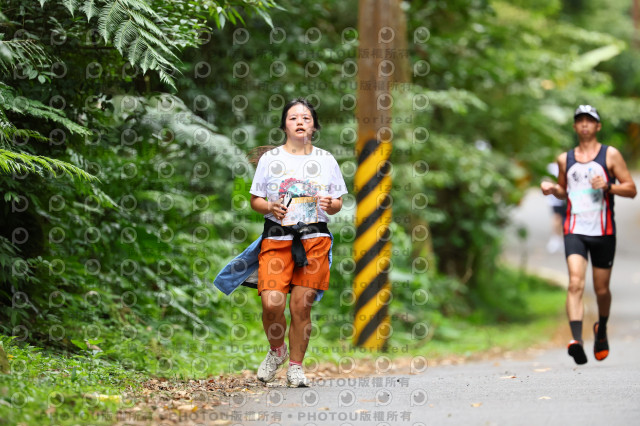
330, 205
277, 209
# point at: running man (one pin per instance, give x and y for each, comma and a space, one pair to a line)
587, 179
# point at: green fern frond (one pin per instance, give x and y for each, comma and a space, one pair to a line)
156, 42
25, 106
5, 124
194, 131
103, 198
141, 6
71, 5
90, 9
130, 24
190, 130
154, 61
145, 23
124, 36
165, 77
136, 50
223, 11
29, 52
110, 17
114, 13
9, 132
20, 163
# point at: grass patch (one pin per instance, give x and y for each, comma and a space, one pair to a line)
521, 311
40, 387
458, 337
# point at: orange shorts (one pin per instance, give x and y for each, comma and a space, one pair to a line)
277, 271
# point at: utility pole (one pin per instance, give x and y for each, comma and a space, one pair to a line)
382, 61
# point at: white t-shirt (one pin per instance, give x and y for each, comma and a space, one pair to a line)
312, 175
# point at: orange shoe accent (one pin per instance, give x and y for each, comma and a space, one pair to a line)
600, 346
601, 355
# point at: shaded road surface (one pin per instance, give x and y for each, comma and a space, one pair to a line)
543, 388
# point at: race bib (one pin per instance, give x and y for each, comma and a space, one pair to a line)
586, 200
301, 209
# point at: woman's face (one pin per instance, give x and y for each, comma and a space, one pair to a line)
299, 123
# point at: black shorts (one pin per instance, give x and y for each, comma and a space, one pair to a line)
602, 248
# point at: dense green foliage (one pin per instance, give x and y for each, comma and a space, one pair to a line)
123, 131
79, 388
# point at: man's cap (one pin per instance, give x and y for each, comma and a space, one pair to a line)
588, 110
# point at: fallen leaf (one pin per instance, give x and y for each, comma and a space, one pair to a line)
508, 377
541, 370
476, 404
92, 347
187, 407
115, 398
101, 397
545, 397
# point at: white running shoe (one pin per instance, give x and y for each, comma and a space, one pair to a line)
296, 377
269, 367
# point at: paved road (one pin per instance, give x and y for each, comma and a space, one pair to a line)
546, 388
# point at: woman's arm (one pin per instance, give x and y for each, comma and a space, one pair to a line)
263, 206
330, 205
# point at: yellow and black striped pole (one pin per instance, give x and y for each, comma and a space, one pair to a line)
382, 60
372, 247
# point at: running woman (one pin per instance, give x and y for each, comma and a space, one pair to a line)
296, 186
589, 177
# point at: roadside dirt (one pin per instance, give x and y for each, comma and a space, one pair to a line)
212, 401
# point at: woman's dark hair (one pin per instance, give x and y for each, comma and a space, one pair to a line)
305, 103
255, 153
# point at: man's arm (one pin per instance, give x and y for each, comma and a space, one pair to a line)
618, 167
559, 190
